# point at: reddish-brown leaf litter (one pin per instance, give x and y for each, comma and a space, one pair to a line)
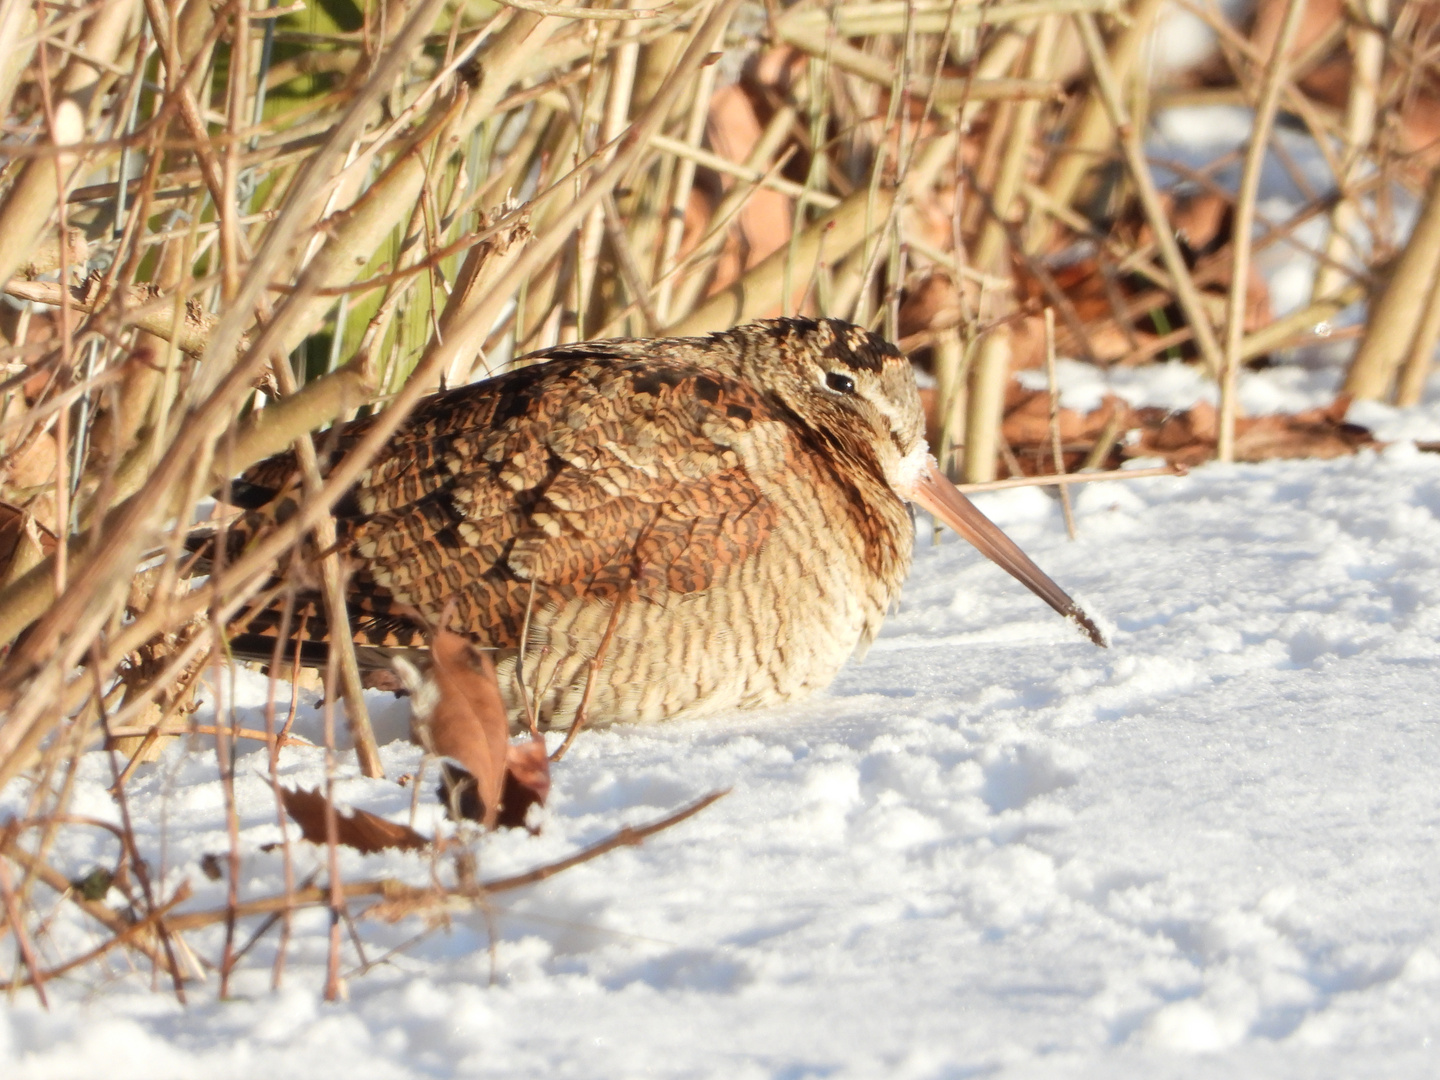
359, 829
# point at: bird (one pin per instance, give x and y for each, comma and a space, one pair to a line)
658, 528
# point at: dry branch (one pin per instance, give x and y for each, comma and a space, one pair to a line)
1275, 73
760, 291
146, 310
1396, 313
397, 898
30, 203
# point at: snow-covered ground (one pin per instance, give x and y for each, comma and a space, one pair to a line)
990, 850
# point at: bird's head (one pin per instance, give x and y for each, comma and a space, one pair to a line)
852, 388
857, 393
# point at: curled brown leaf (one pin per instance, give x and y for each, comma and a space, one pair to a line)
527, 782
468, 724
361, 830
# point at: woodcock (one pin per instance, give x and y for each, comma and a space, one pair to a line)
727, 514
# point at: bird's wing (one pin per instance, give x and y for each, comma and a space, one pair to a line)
588, 476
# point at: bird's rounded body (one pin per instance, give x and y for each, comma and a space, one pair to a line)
739, 624
710, 523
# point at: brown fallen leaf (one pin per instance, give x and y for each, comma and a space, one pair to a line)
1027, 418
1314, 433
527, 782
468, 724
384, 679
361, 830
12, 529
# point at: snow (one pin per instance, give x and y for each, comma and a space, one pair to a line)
990, 849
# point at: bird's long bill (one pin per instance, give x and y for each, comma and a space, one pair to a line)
940, 497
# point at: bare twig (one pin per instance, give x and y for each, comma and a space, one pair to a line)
1055, 453
1241, 237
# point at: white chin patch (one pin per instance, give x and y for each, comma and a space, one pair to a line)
912, 466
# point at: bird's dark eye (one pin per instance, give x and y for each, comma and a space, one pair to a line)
840, 382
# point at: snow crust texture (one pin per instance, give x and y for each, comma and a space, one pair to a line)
991, 850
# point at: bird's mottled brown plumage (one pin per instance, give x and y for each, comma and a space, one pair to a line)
727, 509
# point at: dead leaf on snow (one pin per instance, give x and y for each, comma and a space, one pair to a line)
361, 830
527, 782
468, 724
